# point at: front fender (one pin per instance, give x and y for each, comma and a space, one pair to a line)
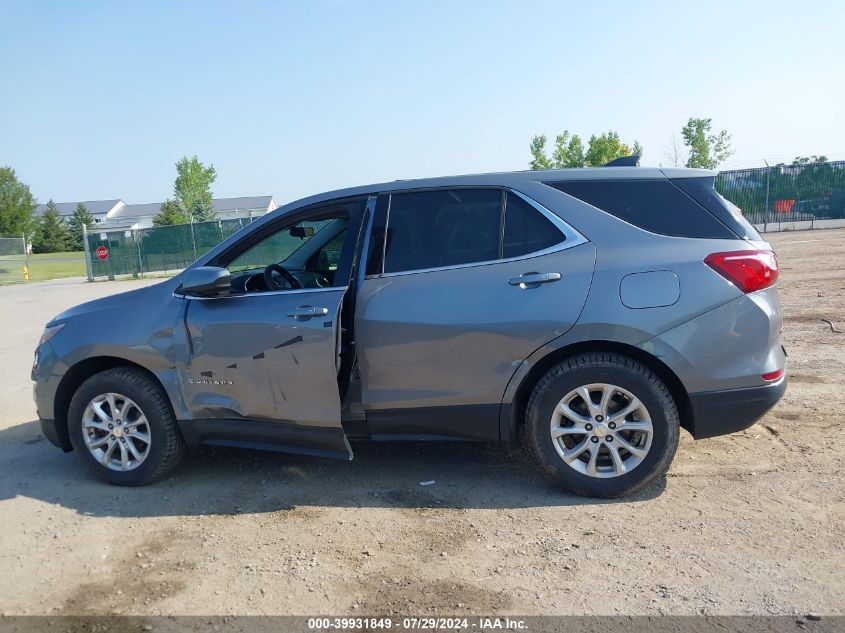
146, 330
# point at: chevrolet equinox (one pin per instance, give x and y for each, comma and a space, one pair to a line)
594, 312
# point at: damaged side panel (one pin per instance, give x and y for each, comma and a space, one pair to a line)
259, 376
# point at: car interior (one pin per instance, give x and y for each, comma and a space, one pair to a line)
305, 255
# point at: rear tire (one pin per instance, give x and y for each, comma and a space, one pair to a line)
584, 446
122, 428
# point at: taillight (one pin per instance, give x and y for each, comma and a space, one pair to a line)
772, 375
747, 270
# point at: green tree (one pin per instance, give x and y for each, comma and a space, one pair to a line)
192, 189
607, 147
810, 160
636, 150
170, 213
539, 160
52, 234
569, 151
16, 205
815, 177
81, 217
706, 149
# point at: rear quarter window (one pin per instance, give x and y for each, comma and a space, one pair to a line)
703, 192
526, 229
658, 206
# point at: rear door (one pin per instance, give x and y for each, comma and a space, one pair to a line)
264, 363
467, 284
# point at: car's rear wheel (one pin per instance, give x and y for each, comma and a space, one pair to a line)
122, 428
603, 424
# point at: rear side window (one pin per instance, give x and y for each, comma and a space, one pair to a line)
702, 191
654, 205
526, 229
430, 229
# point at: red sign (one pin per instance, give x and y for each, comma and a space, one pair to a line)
784, 206
102, 252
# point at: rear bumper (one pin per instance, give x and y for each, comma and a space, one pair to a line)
728, 411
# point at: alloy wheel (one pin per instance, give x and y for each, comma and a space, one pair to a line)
601, 430
116, 431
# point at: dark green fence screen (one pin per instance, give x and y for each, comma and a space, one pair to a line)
787, 193
160, 249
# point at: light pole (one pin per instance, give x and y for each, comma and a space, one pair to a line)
89, 270
193, 238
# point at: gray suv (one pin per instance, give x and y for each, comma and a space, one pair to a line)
595, 312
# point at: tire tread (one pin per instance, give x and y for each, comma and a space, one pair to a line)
172, 445
594, 360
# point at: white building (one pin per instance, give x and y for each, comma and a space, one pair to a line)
100, 209
116, 214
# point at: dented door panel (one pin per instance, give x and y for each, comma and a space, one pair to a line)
250, 360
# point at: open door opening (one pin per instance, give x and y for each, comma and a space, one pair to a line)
271, 356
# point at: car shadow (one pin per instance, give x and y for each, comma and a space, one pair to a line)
223, 481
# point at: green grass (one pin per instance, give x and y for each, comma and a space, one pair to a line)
42, 266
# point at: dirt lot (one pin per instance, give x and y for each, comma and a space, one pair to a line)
752, 523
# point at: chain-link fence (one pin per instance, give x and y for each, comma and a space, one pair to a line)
787, 193
160, 249
13, 259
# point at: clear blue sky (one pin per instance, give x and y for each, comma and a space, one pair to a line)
99, 99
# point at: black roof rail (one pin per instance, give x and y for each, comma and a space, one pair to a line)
624, 161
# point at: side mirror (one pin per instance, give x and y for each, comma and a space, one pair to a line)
206, 281
301, 231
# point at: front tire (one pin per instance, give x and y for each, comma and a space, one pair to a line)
602, 424
123, 429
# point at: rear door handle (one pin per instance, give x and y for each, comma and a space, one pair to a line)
306, 312
532, 280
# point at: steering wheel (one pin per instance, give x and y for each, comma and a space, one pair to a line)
272, 281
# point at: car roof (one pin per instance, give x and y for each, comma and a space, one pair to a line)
500, 179
505, 179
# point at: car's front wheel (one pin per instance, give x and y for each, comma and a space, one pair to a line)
122, 428
603, 424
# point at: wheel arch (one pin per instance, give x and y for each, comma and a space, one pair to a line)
79, 373
515, 410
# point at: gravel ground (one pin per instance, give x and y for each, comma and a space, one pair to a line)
750, 523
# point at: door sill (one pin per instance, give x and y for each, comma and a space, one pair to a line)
280, 436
